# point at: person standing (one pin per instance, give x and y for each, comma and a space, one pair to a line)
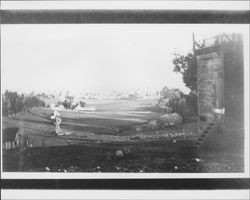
57, 122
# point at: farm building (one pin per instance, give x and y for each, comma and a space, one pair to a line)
220, 79
11, 138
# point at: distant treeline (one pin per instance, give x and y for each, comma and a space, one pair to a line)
12, 102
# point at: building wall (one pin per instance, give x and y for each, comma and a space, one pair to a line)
221, 83
210, 86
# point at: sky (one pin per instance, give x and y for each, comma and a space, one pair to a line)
96, 57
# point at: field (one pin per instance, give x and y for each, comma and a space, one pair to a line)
93, 139
110, 121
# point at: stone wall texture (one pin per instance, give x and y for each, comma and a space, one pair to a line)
220, 79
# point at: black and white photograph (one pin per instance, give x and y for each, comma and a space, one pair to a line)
123, 100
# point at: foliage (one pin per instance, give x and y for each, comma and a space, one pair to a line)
185, 105
171, 119
33, 101
12, 103
69, 103
186, 65
170, 97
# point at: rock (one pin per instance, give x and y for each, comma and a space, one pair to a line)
119, 154
47, 169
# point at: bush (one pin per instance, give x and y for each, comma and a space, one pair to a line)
186, 107
171, 119
174, 101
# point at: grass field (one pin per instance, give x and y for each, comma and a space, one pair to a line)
95, 136
111, 121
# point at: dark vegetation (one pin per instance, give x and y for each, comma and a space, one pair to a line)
174, 100
12, 102
186, 65
70, 104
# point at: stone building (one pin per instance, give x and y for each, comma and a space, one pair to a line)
220, 79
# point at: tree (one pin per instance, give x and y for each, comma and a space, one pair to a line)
5, 105
12, 102
33, 101
186, 65
167, 94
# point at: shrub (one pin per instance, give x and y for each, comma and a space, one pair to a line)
185, 105
171, 119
